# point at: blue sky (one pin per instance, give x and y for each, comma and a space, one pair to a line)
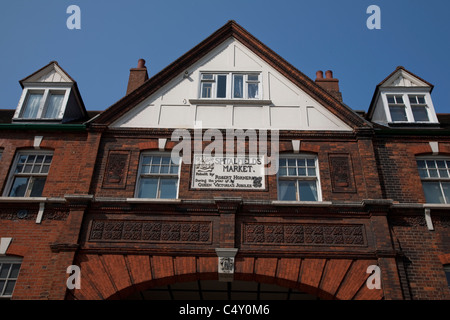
311, 35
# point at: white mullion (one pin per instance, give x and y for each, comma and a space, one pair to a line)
43, 104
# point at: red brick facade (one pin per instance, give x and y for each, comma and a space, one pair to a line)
373, 210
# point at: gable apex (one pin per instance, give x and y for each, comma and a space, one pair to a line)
51, 73
403, 78
231, 30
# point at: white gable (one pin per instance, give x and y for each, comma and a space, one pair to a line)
52, 73
282, 105
403, 79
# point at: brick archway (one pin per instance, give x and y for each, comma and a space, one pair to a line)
116, 276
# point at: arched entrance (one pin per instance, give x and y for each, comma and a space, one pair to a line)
216, 290
118, 276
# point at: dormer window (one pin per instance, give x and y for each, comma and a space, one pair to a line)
43, 104
49, 95
403, 100
230, 86
408, 108
397, 108
419, 108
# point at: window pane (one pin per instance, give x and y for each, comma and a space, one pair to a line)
155, 169
174, 169
292, 172
398, 113
311, 172
19, 187
440, 163
252, 77
308, 190
431, 164
433, 173
432, 192
238, 86
391, 99
420, 114
208, 77
421, 100
54, 106
423, 173
165, 169
15, 271
9, 288
38, 187
446, 189
282, 162
399, 99
2, 285
443, 173
253, 92
5, 270
206, 90
302, 172
148, 187
291, 162
165, 160
168, 188
156, 160
287, 190
421, 164
282, 171
221, 86
146, 160
32, 106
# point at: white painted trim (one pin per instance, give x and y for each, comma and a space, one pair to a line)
296, 146
162, 144
428, 220
434, 147
40, 212
37, 141
152, 200
4, 244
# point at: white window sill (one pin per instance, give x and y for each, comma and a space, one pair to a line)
231, 101
301, 203
152, 200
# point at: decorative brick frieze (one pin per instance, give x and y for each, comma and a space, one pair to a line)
304, 234
150, 231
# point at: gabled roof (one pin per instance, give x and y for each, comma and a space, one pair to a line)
401, 69
43, 76
230, 29
53, 66
387, 82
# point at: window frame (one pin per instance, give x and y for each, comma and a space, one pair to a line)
447, 274
432, 118
12, 174
44, 103
10, 260
230, 76
297, 178
158, 175
434, 179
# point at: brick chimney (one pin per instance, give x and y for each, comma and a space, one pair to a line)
330, 84
137, 76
